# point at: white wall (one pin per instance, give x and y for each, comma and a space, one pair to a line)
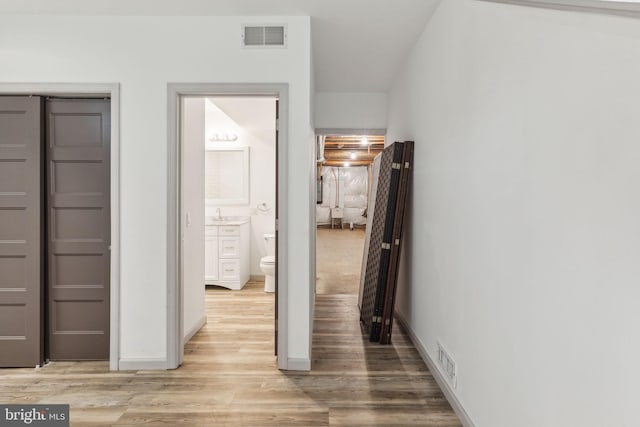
193, 204
524, 229
367, 110
143, 54
253, 120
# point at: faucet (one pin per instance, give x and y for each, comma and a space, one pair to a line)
219, 213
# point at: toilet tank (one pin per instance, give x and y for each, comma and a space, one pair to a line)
270, 242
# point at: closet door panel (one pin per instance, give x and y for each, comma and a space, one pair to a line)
21, 224
79, 228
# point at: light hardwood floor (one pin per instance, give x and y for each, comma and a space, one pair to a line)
229, 376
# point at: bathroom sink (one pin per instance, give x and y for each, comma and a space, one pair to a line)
226, 220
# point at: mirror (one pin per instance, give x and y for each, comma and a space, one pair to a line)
226, 172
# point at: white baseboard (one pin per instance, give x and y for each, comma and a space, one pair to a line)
194, 330
294, 364
439, 377
142, 364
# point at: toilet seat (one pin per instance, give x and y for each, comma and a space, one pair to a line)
270, 259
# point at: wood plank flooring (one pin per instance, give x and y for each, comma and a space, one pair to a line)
230, 378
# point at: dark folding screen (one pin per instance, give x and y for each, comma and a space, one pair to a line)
384, 241
392, 281
374, 259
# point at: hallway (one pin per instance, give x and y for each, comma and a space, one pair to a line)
378, 385
229, 376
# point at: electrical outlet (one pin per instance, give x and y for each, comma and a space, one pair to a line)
447, 364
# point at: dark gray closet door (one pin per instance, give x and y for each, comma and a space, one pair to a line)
21, 258
78, 136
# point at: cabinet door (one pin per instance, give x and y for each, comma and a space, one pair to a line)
211, 258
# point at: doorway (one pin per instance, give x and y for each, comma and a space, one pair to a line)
344, 181
228, 200
55, 229
178, 94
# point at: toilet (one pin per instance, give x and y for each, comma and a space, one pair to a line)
268, 263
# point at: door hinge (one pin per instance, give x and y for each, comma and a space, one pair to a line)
278, 125
276, 224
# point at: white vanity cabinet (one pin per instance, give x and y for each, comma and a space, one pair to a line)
227, 255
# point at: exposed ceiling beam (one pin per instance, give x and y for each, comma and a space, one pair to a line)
342, 146
346, 156
340, 163
338, 149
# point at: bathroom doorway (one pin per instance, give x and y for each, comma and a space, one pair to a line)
228, 210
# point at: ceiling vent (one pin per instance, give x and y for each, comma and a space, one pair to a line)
263, 36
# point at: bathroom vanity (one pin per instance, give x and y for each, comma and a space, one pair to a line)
227, 252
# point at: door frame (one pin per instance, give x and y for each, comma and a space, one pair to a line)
176, 92
111, 90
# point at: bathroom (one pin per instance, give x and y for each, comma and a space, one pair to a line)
228, 200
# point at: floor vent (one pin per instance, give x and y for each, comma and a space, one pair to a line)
263, 36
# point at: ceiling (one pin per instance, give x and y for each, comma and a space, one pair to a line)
357, 45
250, 113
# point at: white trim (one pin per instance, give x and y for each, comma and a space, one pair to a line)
175, 92
113, 91
296, 364
282, 264
115, 230
465, 419
313, 245
142, 364
195, 329
592, 6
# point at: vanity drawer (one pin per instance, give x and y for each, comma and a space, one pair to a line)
228, 247
228, 230
229, 269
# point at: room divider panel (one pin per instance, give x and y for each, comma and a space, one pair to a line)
385, 228
392, 280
